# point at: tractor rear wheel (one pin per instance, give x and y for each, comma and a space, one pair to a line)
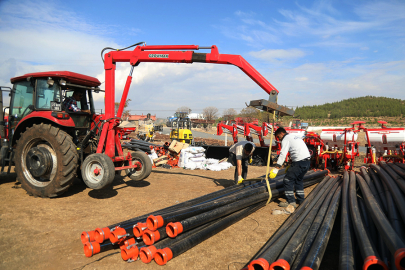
45, 161
98, 171
146, 166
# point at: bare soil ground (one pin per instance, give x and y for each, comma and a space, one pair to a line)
38, 233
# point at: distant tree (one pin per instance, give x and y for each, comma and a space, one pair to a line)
210, 113
229, 114
250, 114
125, 113
183, 109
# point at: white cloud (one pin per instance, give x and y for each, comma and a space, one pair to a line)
278, 55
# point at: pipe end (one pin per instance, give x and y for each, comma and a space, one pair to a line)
130, 241
400, 258
131, 253
102, 234
154, 222
139, 229
87, 236
259, 264
91, 248
150, 237
147, 253
280, 264
162, 256
115, 235
373, 260
173, 229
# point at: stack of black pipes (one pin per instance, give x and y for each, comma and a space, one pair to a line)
372, 224
167, 233
139, 145
374, 218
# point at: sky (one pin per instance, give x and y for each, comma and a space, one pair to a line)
313, 52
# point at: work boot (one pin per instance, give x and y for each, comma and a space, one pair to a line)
285, 204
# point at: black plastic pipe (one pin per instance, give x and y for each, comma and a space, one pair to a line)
173, 229
368, 252
164, 255
395, 192
380, 188
319, 189
398, 179
103, 233
370, 184
151, 237
154, 222
393, 215
317, 250
290, 251
271, 253
147, 253
394, 243
397, 169
347, 238
402, 165
368, 224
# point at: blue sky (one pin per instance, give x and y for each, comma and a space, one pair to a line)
313, 52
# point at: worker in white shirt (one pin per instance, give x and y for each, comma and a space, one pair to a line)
240, 155
294, 176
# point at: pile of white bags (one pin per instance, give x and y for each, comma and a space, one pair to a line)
192, 158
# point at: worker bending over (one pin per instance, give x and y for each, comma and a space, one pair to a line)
240, 155
300, 156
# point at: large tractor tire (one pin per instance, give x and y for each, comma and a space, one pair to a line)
98, 171
144, 171
45, 161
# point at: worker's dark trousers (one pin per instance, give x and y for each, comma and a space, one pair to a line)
245, 162
293, 178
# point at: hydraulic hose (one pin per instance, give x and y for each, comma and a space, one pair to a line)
394, 243
347, 241
368, 252
270, 254
164, 255
290, 251
317, 250
395, 192
292, 218
398, 179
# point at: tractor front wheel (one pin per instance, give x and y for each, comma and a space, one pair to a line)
98, 171
46, 160
145, 169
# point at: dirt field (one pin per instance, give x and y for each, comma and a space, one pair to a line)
40, 233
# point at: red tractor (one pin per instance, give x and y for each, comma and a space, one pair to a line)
49, 145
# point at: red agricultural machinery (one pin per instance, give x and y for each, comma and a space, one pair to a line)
48, 144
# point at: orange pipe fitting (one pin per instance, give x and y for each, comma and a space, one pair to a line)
87, 236
173, 229
91, 248
154, 222
139, 229
147, 253
259, 263
400, 258
102, 234
117, 235
131, 253
162, 256
280, 264
150, 237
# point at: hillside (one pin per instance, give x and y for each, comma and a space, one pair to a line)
368, 108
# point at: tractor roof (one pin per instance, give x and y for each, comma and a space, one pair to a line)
71, 77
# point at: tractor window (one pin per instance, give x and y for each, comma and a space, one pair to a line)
22, 99
46, 93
